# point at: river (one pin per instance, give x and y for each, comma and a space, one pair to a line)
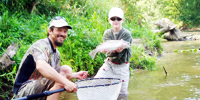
181, 60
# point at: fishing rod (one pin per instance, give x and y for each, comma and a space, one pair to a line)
39, 95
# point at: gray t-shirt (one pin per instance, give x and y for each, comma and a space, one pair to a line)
125, 55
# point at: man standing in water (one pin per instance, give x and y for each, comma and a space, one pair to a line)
117, 63
40, 68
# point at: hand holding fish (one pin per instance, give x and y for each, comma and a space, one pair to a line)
119, 49
104, 50
112, 45
113, 51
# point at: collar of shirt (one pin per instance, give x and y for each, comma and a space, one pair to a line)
54, 50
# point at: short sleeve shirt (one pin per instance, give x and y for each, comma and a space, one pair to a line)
40, 50
125, 55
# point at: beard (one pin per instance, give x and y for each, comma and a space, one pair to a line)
59, 44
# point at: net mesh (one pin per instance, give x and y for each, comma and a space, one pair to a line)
98, 89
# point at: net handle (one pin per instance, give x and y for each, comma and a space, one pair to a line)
39, 95
47, 93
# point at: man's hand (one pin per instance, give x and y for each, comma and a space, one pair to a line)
70, 87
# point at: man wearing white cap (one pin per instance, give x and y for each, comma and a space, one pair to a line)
40, 68
117, 63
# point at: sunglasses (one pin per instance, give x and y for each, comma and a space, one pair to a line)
114, 18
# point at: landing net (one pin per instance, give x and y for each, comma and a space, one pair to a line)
98, 89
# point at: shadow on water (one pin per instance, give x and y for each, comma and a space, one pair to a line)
181, 83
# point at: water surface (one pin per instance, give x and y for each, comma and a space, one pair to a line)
183, 75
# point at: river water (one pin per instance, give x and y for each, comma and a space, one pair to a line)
181, 60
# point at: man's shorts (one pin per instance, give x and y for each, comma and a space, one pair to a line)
35, 86
111, 70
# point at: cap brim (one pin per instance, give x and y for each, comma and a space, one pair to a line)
115, 16
60, 23
69, 27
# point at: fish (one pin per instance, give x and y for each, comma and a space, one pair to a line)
110, 45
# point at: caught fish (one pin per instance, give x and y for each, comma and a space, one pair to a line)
110, 45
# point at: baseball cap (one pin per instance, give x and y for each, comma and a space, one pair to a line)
59, 22
116, 12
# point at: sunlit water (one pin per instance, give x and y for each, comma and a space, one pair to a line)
182, 81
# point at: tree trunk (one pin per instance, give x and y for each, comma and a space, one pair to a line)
6, 58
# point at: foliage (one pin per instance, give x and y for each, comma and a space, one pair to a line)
40, 7
21, 29
7, 78
189, 11
80, 41
184, 51
140, 59
151, 43
13, 28
184, 13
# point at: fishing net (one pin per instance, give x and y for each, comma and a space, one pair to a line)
98, 89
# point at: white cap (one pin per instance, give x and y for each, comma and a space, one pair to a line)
59, 22
116, 12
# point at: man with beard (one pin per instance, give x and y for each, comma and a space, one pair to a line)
40, 68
